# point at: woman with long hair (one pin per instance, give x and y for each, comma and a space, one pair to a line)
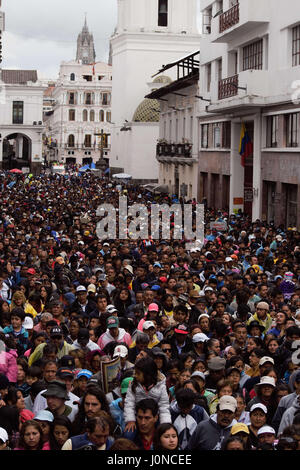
166, 438
31, 437
60, 432
122, 300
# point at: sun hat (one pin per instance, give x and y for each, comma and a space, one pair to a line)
56, 388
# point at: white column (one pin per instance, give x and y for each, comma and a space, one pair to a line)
236, 198
257, 181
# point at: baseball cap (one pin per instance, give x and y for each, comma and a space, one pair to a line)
112, 322
261, 406
197, 373
266, 430
239, 427
31, 271
56, 331
67, 362
3, 435
266, 380
181, 329
265, 359
84, 373
121, 351
64, 372
227, 402
59, 260
44, 415
263, 305
125, 384
102, 277
148, 324
91, 288
200, 338
111, 309
81, 289
83, 333
153, 308
157, 265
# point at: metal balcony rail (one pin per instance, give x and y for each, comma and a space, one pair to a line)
229, 18
228, 87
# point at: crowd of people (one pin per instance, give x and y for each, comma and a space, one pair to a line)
207, 337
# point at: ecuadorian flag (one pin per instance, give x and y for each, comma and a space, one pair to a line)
246, 145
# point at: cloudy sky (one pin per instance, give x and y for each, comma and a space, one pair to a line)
40, 33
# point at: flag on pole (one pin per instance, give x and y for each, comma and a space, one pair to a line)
246, 145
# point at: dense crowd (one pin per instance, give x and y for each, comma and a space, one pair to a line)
207, 337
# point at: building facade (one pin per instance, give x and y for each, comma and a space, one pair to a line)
79, 128
149, 34
249, 72
21, 120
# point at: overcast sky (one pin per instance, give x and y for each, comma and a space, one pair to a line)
41, 33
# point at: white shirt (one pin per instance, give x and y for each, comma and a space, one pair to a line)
40, 403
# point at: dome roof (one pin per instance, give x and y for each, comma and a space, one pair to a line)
163, 79
147, 111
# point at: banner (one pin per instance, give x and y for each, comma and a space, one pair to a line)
110, 374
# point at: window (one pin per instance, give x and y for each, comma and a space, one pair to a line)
72, 98
272, 131
72, 77
226, 135
207, 16
217, 134
204, 136
296, 46
88, 140
72, 114
108, 116
18, 112
163, 13
292, 129
85, 115
71, 141
92, 115
101, 115
208, 77
105, 99
219, 69
88, 78
253, 56
88, 98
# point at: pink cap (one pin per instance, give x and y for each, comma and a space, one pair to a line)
153, 307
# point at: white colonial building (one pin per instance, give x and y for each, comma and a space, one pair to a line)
21, 120
250, 71
81, 121
149, 34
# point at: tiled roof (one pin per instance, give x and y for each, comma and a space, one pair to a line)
19, 77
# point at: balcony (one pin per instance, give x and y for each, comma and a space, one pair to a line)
229, 18
239, 20
228, 87
175, 153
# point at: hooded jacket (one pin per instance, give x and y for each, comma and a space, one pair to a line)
8, 364
288, 415
186, 424
106, 338
158, 392
209, 435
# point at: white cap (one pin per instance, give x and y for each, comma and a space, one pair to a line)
228, 259
91, 288
267, 381
3, 435
111, 308
200, 338
265, 359
207, 288
121, 351
266, 430
81, 289
148, 324
28, 323
227, 402
261, 406
197, 373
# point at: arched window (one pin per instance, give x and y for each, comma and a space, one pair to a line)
101, 116
72, 77
85, 115
108, 116
92, 115
71, 141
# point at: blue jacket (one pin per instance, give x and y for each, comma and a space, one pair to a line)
82, 440
117, 413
